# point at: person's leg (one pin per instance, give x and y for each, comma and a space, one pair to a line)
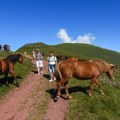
41, 70
41, 66
53, 69
51, 76
38, 67
38, 70
50, 71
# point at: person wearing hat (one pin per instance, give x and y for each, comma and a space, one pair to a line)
39, 62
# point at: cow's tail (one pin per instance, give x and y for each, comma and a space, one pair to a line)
58, 77
58, 70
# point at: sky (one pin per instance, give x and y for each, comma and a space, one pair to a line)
95, 22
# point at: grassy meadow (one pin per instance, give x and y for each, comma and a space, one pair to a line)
97, 107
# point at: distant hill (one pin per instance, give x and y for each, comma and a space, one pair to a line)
82, 51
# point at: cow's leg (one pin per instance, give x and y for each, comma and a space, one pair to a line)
91, 86
11, 71
59, 91
6, 78
66, 90
98, 84
13, 75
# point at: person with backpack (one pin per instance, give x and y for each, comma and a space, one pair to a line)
52, 61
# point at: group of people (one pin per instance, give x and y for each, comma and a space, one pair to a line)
52, 61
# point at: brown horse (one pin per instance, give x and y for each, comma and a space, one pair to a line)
82, 70
7, 66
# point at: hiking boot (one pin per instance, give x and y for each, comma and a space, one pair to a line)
51, 80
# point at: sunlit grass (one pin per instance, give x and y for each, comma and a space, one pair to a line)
97, 107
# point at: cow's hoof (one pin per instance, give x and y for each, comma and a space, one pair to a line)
103, 93
69, 97
90, 94
17, 85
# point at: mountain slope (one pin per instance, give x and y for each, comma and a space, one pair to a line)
82, 51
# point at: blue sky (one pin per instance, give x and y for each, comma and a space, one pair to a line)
95, 22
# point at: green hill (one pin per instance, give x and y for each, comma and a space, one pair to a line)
82, 51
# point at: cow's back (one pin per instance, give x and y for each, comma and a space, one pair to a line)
85, 69
78, 69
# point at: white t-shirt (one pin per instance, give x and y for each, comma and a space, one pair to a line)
51, 60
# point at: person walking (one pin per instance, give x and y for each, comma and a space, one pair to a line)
39, 62
52, 61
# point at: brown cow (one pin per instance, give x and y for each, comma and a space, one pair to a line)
61, 57
83, 70
7, 66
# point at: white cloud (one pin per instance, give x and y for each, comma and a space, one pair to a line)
62, 34
86, 38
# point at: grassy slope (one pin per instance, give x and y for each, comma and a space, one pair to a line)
82, 51
82, 106
20, 70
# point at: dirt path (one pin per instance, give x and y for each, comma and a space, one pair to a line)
21, 103
56, 110
16, 104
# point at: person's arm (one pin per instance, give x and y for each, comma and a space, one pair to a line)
48, 59
41, 56
33, 56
